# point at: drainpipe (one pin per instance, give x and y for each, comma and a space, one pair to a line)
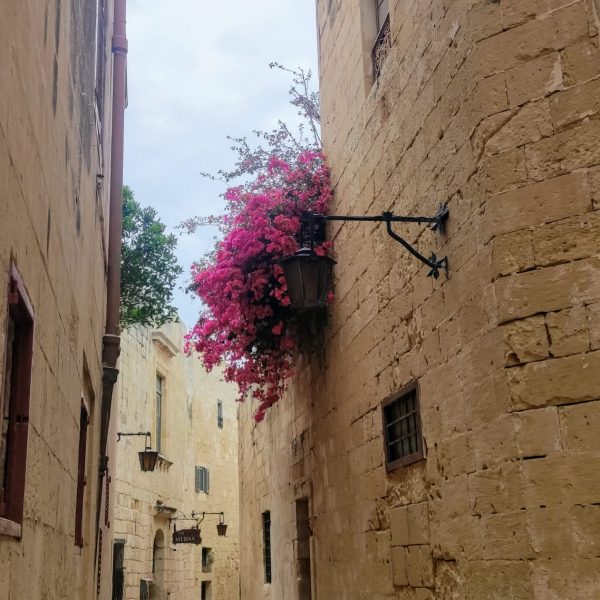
111, 342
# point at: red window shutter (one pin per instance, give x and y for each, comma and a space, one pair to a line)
83, 427
21, 313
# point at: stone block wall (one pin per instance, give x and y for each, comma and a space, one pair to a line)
490, 107
53, 213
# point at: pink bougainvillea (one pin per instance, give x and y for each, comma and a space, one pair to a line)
247, 323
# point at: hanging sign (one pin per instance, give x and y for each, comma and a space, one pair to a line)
187, 536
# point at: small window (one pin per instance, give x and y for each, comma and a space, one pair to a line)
202, 479
144, 589
266, 526
383, 42
402, 428
205, 591
219, 414
83, 427
118, 574
208, 558
14, 401
160, 386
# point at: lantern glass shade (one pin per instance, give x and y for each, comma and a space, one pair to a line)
148, 459
221, 529
308, 279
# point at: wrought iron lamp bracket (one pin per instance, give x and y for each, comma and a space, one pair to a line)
183, 517
433, 262
203, 514
146, 434
436, 223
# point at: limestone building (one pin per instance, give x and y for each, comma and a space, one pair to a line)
59, 119
447, 447
192, 418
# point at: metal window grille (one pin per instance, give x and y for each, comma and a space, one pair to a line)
266, 524
382, 46
202, 479
402, 428
219, 414
118, 569
159, 410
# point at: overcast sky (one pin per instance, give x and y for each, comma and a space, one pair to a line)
197, 72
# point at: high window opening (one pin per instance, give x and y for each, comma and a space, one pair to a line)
99, 87
303, 533
118, 574
144, 590
383, 41
83, 429
206, 590
266, 527
219, 414
14, 404
402, 428
208, 558
160, 388
202, 479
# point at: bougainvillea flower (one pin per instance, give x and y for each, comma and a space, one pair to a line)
247, 321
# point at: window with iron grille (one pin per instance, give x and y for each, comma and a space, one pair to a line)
219, 414
266, 526
118, 569
202, 479
402, 428
83, 428
14, 402
383, 41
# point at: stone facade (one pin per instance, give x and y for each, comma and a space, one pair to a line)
491, 107
190, 437
54, 211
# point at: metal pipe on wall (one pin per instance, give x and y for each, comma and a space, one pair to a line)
111, 341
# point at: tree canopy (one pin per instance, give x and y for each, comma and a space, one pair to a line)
149, 267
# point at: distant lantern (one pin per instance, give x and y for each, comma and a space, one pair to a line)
221, 526
148, 459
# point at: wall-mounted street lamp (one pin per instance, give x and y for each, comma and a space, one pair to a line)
221, 525
148, 457
308, 276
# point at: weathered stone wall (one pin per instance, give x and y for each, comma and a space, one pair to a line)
491, 107
191, 437
52, 218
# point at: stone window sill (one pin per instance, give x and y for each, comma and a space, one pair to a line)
10, 528
164, 463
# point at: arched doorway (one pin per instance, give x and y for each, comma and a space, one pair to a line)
157, 588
